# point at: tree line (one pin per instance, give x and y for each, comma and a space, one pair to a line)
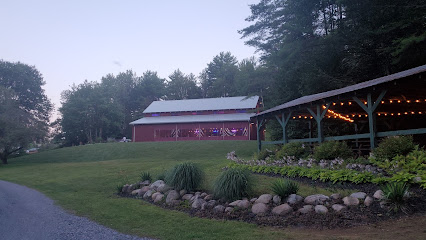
95, 111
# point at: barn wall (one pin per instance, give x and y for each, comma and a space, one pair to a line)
194, 131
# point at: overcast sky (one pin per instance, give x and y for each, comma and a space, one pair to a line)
70, 41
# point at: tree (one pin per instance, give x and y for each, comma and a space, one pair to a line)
150, 87
218, 79
182, 86
24, 110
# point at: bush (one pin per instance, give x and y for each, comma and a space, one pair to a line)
184, 176
146, 176
284, 188
395, 194
294, 149
331, 150
232, 184
392, 146
265, 153
162, 176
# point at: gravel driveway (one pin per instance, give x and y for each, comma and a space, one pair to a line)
28, 214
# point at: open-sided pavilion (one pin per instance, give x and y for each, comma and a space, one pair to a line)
387, 106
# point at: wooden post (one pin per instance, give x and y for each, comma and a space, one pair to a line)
283, 122
318, 118
259, 140
370, 108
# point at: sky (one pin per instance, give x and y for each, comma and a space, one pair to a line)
73, 41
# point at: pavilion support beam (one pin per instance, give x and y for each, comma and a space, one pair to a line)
283, 122
370, 108
259, 125
318, 118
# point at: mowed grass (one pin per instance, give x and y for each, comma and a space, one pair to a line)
83, 180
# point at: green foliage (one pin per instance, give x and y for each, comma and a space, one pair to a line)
232, 184
162, 176
184, 176
265, 153
294, 149
284, 188
393, 146
146, 176
395, 194
119, 187
332, 149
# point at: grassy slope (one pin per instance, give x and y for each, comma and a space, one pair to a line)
83, 180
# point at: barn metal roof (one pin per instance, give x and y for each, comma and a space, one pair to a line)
332, 93
232, 117
203, 104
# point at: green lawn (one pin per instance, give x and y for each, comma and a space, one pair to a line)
83, 180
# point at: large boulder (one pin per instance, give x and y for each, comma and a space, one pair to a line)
351, 201
145, 183
208, 197
316, 199
378, 195
158, 198
282, 209
359, 195
244, 204
135, 192
338, 207
294, 199
198, 203
265, 198
260, 208
276, 199
182, 192
306, 209
187, 197
234, 203
171, 196
158, 184
219, 209
321, 209
368, 201
131, 188
148, 194
335, 196
124, 188
154, 195
208, 205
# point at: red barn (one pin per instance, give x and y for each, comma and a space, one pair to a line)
198, 119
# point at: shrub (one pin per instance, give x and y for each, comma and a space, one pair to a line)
119, 188
412, 163
146, 176
184, 176
265, 153
392, 146
294, 149
331, 150
162, 176
284, 188
395, 194
232, 184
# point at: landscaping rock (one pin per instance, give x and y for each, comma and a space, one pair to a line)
417, 179
172, 195
193, 198
335, 196
131, 188
294, 199
378, 195
253, 200
154, 195
359, 195
276, 199
229, 209
187, 197
182, 192
145, 183
148, 194
219, 209
265, 198
164, 188
208, 197
197, 193
234, 203
145, 189
157, 184
243, 204
208, 205
198, 203
124, 189
260, 208
321, 209
282, 209
306, 209
203, 195
338, 207
316, 199
351, 201
158, 198
368, 201
135, 192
